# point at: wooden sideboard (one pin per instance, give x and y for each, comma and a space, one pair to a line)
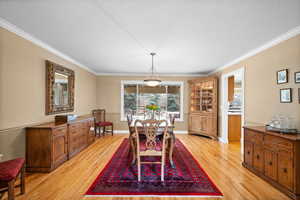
49, 145
274, 157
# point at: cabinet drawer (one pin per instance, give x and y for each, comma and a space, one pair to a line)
59, 130
74, 128
253, 136
277, 144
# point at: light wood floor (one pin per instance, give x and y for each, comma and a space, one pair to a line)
222, 163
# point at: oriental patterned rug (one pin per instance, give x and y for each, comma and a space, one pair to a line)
187, 178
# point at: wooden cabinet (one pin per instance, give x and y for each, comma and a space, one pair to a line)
270, 164
285, 170
59, 145
258, 157
49, 145
203, 106
230, 88
274, 157
248, 154
234, 127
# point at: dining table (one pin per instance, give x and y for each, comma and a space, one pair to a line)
170, 138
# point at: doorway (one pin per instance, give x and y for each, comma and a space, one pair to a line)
232, 107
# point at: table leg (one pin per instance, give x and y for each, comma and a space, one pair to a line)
131, 139
172, 141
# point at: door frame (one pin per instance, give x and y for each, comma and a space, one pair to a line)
224, 104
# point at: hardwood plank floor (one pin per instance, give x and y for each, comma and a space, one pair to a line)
222, 162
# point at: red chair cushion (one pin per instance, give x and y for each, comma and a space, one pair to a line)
105, 124
10, 169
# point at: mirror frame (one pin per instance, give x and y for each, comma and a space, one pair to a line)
51, 69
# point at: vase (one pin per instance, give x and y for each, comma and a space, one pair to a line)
152, 115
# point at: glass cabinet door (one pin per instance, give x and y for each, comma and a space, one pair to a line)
206, 96
195, 97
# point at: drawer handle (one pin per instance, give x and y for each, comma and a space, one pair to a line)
285, 170
257, 156
270, 163
248, 152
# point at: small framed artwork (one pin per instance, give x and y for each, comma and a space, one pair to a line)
286, 95
297, 77
282, 76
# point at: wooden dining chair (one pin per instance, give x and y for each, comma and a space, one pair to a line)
151, 145
172, 118
129, 116
100, 122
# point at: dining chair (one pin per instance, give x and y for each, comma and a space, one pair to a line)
172, 118
100, 122
9, 172
151, 145
129, 116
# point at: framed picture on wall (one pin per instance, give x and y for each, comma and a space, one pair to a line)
297, 77
286, 95
282, 76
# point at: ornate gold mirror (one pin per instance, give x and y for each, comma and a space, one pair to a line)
59, 89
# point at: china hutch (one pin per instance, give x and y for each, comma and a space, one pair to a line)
203, 107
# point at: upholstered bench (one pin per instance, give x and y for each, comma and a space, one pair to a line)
9, 171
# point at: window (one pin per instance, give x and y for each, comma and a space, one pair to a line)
135, 95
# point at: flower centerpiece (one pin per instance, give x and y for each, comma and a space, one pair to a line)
153, 108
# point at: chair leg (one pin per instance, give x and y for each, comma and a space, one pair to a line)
112, 130
96, 131
139, 168
23, 180
11, 190
104, 131
163, 168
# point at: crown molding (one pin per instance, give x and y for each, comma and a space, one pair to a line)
145, 74
18, 31
291, 33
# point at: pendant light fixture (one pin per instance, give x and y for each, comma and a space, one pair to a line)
153, 80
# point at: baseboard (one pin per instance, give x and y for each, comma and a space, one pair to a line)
223, 140
181, 132
127, 132
121, 132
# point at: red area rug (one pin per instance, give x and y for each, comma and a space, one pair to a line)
119, 178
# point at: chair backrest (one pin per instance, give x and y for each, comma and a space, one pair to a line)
129, 116
150, 129
172, 119
99, 115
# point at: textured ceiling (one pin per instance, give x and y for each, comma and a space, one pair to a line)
189, 36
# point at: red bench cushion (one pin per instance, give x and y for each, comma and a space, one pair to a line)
10, 169
105, 124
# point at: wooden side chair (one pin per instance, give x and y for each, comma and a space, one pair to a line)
9, 172
129, 117
101, 123
172, 122
151, 145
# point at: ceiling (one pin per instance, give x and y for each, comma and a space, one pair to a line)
189, 36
